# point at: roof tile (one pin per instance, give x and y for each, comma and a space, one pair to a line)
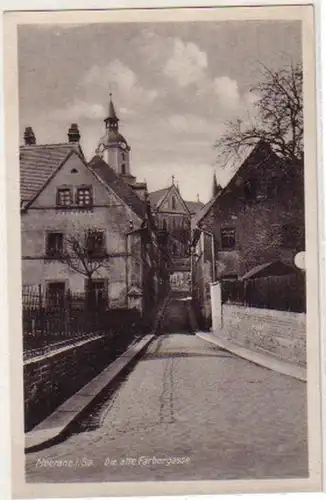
123, 190
37, 164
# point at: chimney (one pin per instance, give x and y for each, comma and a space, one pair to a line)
73, 133
29, 136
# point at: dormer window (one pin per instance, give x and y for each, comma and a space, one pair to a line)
64, 197
84, 197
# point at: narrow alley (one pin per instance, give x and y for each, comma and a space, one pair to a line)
186, 411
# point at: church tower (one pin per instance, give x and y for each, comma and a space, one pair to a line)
113, 147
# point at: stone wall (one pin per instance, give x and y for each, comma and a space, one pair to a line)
51, 379
278, 333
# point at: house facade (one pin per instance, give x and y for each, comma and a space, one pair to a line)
251, 222
172, 215
84, 228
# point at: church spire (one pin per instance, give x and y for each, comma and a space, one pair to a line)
216, 188
112, 121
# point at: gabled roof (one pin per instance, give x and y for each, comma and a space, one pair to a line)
200, 214
38, 163
194, 206
238, 164
274, 268
122, 189
235, 161
155, 197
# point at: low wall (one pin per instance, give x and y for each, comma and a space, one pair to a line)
278, 333
51, 379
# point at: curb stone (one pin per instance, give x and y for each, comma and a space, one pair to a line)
57, 425
277, 365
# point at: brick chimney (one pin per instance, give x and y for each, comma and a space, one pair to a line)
29, 136
73, 133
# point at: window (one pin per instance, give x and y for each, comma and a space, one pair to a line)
54, 244
174, 249
84, 197
95, 244
173, 203
123, 169
228, 238
123, 156
56, 294
64, 197
291, 236
164, 225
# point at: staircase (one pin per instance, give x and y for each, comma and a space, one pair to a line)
178, 316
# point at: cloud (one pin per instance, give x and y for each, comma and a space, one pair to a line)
187, 65
192, 124
120, 79
188, 123
79, 110
227, 91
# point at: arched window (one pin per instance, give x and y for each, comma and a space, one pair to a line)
173, 203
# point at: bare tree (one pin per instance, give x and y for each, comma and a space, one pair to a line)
84, 252
278, 118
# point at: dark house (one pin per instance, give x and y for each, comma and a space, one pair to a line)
256, 219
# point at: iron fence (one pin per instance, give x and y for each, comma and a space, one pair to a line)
49, 323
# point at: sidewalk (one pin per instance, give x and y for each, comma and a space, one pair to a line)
265, 360
57, 424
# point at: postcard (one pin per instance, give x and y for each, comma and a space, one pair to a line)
163, 251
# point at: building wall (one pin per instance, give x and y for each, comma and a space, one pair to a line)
258, 232
202, 270
258, 222
116, 157
109, 214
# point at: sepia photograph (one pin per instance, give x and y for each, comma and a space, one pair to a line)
167, 279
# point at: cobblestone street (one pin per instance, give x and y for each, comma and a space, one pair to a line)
211, 414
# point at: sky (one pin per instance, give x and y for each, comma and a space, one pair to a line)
174, 86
